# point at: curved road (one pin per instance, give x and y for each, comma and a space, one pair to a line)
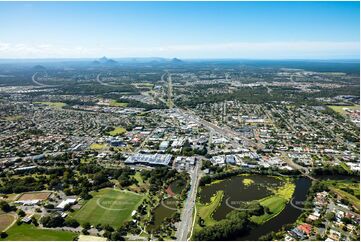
39, 83
36, 82
103, 83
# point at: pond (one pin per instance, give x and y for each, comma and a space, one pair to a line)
238, 189
168, 206
165, 209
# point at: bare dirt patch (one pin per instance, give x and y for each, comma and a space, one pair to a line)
6, 220
34, 196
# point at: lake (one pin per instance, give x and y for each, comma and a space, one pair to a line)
287, 216
235, 192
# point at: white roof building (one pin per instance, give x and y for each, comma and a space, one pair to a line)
66, 202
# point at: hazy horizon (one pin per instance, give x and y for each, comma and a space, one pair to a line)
175, 57
185, 30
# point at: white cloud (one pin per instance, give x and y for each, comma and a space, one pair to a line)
301, 49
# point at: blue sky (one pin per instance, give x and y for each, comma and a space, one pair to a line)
258, 30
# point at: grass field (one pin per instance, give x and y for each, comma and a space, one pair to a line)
108, 206
52, 104
6, 220
33, 196
98, 146
339, 109
117, 131
115, 103
275, 204
27, 232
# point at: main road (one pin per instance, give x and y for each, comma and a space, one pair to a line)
103, 83
186, 223
33, 78
39, 83
234, 136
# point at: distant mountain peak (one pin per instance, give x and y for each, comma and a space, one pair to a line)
39, 68
110, 61
105, 61
176, 60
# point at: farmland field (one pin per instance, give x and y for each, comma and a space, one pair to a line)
30, 232
109, 206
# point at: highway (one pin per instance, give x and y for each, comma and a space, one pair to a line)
223, 131
186, 223
41, 84
162, 77
36, 82
103, 83
100, 82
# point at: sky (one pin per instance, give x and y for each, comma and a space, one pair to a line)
247, 30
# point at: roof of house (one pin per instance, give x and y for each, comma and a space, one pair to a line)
305, 228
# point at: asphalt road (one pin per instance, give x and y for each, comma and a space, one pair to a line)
224, 131
39, 83
36, 82
186, 223
103, 83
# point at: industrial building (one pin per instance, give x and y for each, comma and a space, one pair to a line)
149, 159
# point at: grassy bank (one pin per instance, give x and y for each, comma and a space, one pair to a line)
205, 211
